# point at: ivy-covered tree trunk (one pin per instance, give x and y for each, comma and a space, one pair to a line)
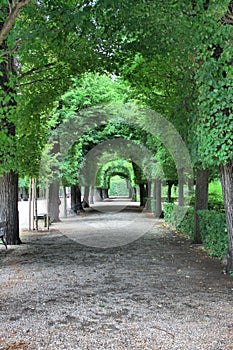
201, 200
9, 206
226, 172
54, 201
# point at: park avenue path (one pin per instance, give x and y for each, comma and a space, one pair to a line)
113, 278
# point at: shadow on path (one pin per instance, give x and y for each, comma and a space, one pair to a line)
157, 292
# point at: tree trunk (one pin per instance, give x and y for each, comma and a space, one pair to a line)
226, 172
98, 194
25, 193
158, 195
9, 180
181, 187
169, 190
92, 195
130, 191
65, 201
142, 195
201, 200
148, 196
76, 200
35, 205
54, 201
190, 187
154, 190
9, 206
134, 194
105, 193
86, 197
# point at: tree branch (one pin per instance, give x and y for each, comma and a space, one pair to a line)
50, 79
11, 19
228, 18
36, 70
4, 53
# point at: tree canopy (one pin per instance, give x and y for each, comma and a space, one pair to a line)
171, 57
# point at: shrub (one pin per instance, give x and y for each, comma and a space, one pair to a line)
179, 218
186, 225
215, 203
212, 224
167, 208
214, 232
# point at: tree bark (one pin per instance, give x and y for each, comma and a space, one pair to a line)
9, 180
9, 206
76, 200
158, 198
148, 196
130, 192
142, 192
169, 190
13, 13
92, 195
181, 187
134, 194
98, 194
54, 201
201, 200
190, 187
65, 201
226, 172
86, 197
25, 193
105, 193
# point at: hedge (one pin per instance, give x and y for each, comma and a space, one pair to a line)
212, 224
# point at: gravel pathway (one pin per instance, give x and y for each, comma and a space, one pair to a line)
157, 292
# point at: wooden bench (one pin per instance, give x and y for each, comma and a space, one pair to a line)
3, 233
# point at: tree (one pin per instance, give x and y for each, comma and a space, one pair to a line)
42, 44
9, 179
87, 90
214, 80
188, 37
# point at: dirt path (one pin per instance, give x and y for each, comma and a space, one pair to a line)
157, 292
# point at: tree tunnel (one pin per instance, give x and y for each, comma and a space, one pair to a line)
121, 168
119, 132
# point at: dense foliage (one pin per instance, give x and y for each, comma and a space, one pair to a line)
176, 57
213, 227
